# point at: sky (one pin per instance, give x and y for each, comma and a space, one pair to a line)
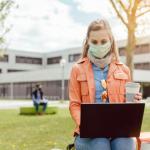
51, 25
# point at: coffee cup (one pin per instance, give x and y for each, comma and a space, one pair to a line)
132, 89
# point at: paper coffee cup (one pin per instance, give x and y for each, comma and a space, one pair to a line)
132, 88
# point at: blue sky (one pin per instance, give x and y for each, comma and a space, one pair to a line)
50, 25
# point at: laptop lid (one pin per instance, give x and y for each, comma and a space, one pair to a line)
111, 120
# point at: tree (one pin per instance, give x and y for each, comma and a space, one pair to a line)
129, 11
5, 6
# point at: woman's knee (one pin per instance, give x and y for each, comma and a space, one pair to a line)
123, 144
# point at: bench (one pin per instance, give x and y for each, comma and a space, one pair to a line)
31, 110
144, 141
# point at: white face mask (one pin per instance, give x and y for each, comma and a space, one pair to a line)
101, 50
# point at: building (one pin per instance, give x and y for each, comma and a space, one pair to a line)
20, 71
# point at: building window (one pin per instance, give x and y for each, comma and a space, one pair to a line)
139, 49
143, 66
122, 51
28, 60
4, 58
74, 57
4, 90
14, 70
143, 48
54, 60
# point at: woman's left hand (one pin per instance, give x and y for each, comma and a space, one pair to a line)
138, 97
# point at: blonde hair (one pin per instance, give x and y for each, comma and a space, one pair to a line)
101, 24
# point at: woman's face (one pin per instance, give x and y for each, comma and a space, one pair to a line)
98, 37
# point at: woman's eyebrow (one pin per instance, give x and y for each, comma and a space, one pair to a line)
104, 39
94, 40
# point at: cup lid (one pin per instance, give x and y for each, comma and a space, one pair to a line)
132, 84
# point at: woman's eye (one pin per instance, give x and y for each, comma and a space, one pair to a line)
103, 41
94, 42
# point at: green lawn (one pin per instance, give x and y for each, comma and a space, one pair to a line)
40, 132
18, 132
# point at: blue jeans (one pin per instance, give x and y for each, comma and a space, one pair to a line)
37, 106
104, 143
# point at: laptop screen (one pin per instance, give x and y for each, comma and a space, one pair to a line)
111, 120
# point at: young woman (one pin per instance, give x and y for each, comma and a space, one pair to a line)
98, 77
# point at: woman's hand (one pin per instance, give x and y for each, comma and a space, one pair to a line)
138, 97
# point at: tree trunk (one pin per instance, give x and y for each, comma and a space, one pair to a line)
131, 45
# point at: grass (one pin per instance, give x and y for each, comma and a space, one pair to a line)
18, 132
146, 120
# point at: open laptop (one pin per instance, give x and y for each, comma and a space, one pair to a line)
111, 120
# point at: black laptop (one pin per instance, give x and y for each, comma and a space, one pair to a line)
111, 120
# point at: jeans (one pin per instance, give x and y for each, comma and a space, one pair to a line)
104, 143
37, 106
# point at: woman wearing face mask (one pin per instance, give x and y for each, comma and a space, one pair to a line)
98, 76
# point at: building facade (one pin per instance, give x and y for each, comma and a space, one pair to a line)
20, 71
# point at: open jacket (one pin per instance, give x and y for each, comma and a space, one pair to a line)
82, 85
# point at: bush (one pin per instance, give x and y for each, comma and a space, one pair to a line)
31, 110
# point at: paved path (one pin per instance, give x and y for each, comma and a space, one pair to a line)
15, 104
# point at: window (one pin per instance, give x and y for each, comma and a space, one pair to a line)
139, 49
122, 51
4, 90
4, 58
144, 66
144, 48
14, 70
28, 60
54, 60
74, 57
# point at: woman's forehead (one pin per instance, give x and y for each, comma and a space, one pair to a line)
99, 34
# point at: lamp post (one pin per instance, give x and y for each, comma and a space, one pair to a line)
62, 64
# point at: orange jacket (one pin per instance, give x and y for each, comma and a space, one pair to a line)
82, 85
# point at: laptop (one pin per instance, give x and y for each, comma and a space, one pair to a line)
111, 120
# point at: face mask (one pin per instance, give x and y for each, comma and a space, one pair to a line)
99, 51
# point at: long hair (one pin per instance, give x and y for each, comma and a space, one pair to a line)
101, 24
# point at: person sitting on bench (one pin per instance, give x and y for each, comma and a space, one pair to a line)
38, 99
99, 77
